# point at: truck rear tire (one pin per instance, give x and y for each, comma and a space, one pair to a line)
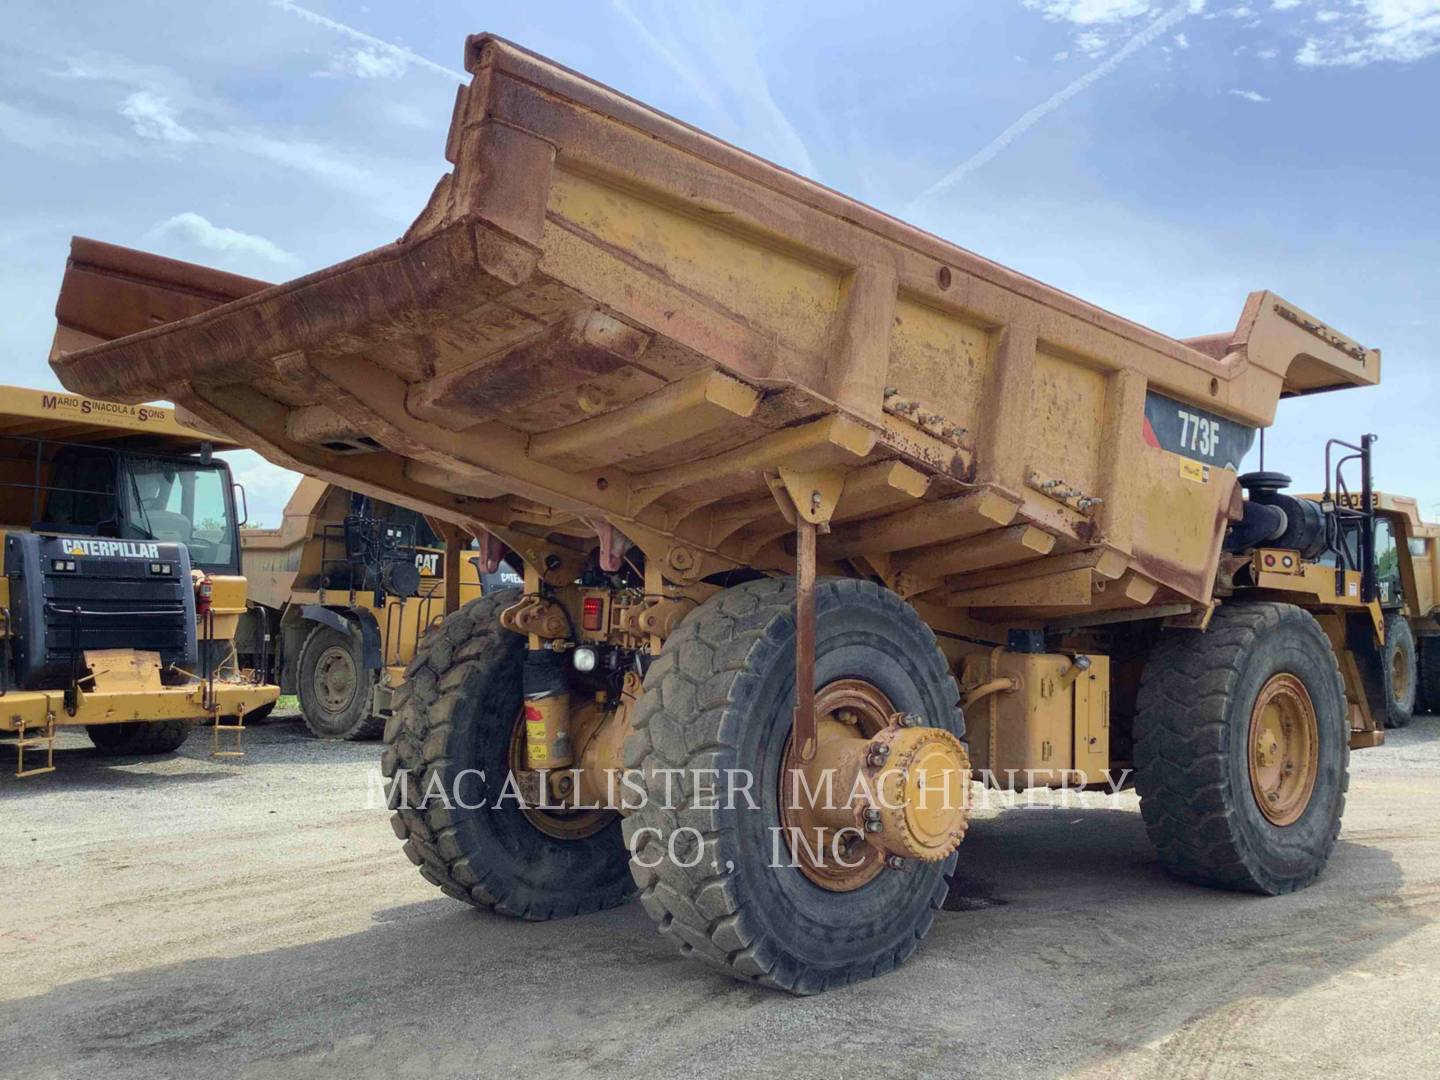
1402, 671
335, 687
450, 745
719, 701
1242, 749
140, 737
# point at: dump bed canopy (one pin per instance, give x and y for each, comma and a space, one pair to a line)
605, 315
64, 417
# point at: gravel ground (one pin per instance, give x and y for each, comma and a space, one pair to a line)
220, 917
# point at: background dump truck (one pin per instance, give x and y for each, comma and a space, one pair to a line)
122, 589
1407, 574
799, 493
338, 608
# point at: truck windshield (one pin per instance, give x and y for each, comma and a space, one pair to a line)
182, 502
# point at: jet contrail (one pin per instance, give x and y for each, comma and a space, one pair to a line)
1160, 26
397, 51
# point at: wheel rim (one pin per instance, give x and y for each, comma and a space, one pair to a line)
336, 679
1283, 749
858, 705
560, 824
1399, 677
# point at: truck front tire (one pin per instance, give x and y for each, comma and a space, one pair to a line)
140, 737
1402, 671
719, 702
1242, 749
335, 687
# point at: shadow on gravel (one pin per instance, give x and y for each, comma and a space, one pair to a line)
1071, 947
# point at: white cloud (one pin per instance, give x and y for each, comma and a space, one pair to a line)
368, 62
203, 233
1091, 43
1373, 31
1241, 11
378, 51
1250, 95
153, 117
153, 106
267, 487
1063, 54
1267, 54
1284, 5
1182, 41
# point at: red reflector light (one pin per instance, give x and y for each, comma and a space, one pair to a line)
592, 612
1269, 560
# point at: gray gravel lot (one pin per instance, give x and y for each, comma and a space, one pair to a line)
198, 917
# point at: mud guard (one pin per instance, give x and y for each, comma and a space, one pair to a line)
345, 620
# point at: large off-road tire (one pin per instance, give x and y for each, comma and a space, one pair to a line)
721, 697
335, 687
260, 715
139, 737
1220, 715
449, 748
1402, 671
1429, 658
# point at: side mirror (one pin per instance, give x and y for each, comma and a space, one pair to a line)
244, 505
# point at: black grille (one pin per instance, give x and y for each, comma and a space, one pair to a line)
114, 608
71, 602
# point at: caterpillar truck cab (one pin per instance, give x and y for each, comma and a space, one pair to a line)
121, 590
821, 520
343, 590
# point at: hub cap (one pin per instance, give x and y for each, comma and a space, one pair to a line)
1399, 677
880, 791
335, 679
1283, 749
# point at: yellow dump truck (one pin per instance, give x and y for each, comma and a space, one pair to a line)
1407, 572
336, 616
820, 518
122, 589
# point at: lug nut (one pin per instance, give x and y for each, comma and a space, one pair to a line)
894, 862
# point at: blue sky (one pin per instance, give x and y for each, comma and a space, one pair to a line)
1158, 158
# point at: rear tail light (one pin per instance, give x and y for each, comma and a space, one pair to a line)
592, 613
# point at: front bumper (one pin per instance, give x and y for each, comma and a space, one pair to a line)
35, 708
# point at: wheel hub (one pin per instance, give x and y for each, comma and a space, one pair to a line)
921, 797
335, 679
1399, 677
881, 789
1283, 749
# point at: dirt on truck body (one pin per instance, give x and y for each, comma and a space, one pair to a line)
798, 492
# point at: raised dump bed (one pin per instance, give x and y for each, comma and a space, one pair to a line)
605, 313
662, 376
